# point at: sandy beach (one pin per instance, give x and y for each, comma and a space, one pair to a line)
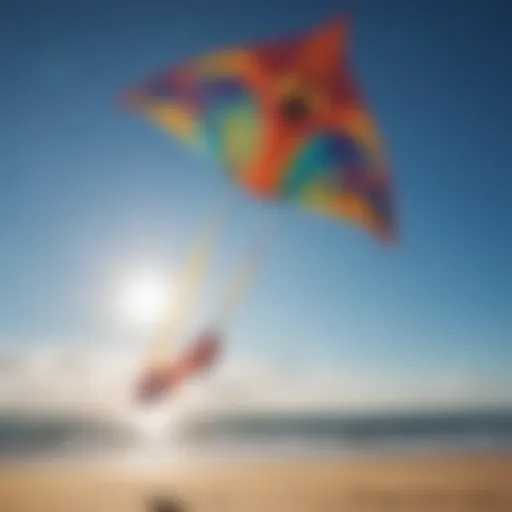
456, 483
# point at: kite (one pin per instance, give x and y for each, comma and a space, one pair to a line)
285, 120
195, 358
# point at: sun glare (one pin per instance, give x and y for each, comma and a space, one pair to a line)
143, 298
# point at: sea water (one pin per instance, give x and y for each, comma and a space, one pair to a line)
23, 437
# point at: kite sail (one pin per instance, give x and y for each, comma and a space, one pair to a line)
285, 120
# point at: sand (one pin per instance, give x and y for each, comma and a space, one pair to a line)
456, 483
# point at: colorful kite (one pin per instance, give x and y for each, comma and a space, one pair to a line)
200, 355
285, 120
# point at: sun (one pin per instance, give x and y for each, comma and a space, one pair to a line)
143, 297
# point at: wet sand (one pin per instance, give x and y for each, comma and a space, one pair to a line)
455, 483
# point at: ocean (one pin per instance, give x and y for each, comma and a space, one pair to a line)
28, 438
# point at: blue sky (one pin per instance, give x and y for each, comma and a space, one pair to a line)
87, 188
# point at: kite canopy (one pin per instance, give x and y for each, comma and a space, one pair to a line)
285, 120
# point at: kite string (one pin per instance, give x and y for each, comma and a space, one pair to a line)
238, 282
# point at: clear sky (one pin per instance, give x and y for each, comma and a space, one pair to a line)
87, 189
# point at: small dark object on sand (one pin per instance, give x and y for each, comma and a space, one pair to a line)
167, 505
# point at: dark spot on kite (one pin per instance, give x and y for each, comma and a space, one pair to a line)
295, 108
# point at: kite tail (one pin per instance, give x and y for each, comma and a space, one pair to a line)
188, 286
239, 281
